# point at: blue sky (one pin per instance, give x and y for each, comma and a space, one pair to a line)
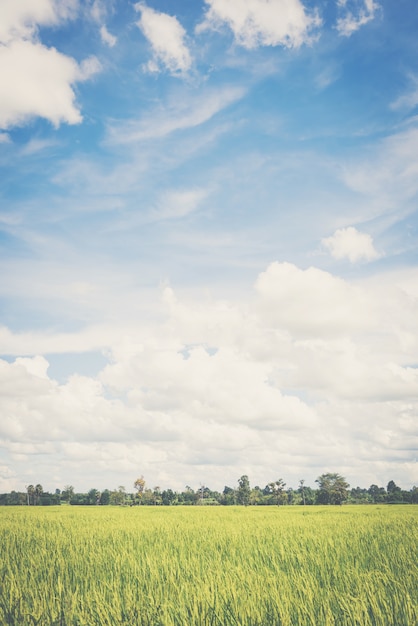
208, 229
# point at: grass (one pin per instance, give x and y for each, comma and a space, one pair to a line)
174, 566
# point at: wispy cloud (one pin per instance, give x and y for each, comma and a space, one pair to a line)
178, 203
355, 14
107, 37
408, 100
388, 170
178, 115
98, 11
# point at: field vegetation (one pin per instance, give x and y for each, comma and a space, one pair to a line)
219, 566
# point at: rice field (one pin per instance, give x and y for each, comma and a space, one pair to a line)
178, 566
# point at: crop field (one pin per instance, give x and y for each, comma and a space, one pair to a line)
255, 566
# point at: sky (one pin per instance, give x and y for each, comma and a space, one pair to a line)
208, 242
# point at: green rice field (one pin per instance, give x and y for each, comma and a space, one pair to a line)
247, 566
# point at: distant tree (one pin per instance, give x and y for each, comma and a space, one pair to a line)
105, 497
118, 496
256, 496
308, 494
228, 496
156, 495
290, 496
394, 492
359, 495
168, 497
333, 489
414, 495
30, 490
244, 490
276, 491
301, 490
139, 485
67, 493
38, 492
93, 496
188, 496
377, 494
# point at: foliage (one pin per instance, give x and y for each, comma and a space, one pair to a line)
243, 491
258, 566
333, 489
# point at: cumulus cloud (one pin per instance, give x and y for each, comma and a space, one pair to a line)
167, 38
311, 369
20, 20
349, 243
287, 293
262, 22
36, 80
356, 13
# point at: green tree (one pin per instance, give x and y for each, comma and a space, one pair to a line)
118, 496
105, 497
244, 490
276, 491
333, 489
67, 493
38, 492
30, 490
301, 490
228, 496
168, 497
377, 494
139, 485
394, 492
256, 496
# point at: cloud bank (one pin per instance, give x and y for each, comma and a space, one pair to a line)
312, 370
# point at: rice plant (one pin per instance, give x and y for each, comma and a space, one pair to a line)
174, 566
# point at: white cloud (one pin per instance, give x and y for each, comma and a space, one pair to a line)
349, 243
262, 22
363, 12
166, 36
107, 37
37, 145
178, 203
408, 100
180, 114
98, 12
310, 302
36, 80
311, 369
4, 138
388, 172
19, 18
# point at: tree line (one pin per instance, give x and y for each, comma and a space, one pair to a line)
332, 488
